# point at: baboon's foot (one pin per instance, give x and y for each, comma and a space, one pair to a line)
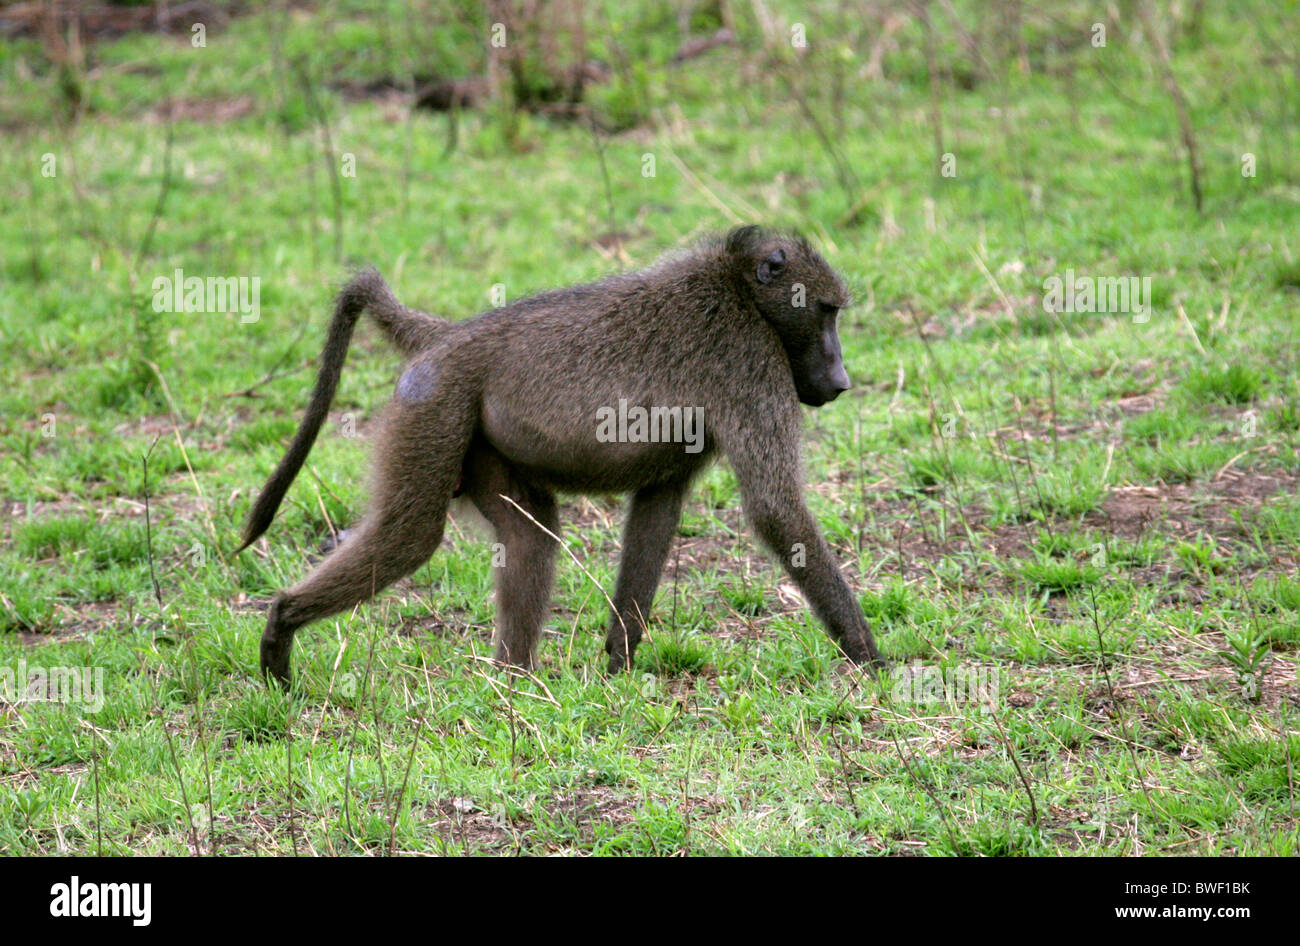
277, 644
621, 644
864, 654
334, 540
503, 658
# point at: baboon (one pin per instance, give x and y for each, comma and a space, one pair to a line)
504, 408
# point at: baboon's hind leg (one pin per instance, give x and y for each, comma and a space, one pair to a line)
525, 576
648, 535
418, 457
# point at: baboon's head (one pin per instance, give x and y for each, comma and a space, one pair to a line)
800, 296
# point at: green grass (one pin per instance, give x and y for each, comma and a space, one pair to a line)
1101, 510
1232, 384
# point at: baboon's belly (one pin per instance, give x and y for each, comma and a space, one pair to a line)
605, 448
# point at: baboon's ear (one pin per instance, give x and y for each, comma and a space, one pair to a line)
741, 241
772, 266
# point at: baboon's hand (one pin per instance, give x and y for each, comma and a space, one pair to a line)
618, 663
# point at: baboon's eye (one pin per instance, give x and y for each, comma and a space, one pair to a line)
827, 308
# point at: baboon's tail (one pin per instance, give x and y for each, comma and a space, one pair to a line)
409, 329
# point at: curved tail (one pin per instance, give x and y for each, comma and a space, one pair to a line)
408, 329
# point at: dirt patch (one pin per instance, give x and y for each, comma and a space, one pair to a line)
14, 510
1180, 508
75, 622
906, 527
587, 807
88, 20
209, 111
464, 825
163, 509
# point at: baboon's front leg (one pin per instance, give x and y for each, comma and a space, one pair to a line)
526, 571
767, 469
789, 530
651, 523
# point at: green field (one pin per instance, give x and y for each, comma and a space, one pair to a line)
1075, 533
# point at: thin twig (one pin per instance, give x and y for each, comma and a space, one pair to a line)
288, 765
148, 527
272, 374
1024, 780
401, 792
352, 742
146, 242
922, 11
848, 180
322, 122
180, 779
207, 778
943, 812
1179, 100
604, 173
94, 760
1114, 706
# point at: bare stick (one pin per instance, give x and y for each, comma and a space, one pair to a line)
94, 761
275, 368
922, 9
322, 122
1114, 707
147, 240
1024, 780
148, 528
943, 812
604, 173
1180, 102
848, 180
397, 803
708, 193
207, 775
288, 765
352, 742
189, 815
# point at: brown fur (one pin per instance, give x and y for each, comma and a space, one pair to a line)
505, 404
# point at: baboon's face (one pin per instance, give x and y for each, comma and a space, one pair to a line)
801, 297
